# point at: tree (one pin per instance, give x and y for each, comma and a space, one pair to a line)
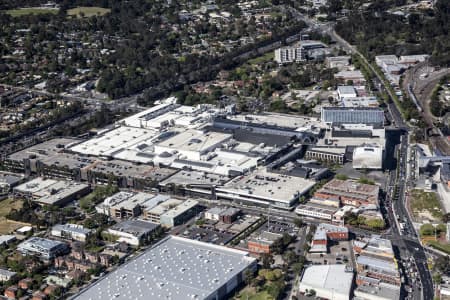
266, 260
446, 218
442, 264
299, 222
249, 276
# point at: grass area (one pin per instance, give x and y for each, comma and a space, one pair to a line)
32, 10
85, 11
251, 294
424, 201
7, 226
261, 59
8, 204
443, 247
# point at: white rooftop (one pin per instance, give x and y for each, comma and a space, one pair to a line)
117, 140
269, 186
176, 268
329, 277
193, 140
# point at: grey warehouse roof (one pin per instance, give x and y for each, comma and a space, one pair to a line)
176, 268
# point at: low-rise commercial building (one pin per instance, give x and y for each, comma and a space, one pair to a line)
7, 239
71, 232
376, 262
46, 191
224, 214
380, 291
154, 214
134, 232
349, 192
316, 211
8, 181
44, 248
338, 62
263, 242
327, 232
328, 281
179, 214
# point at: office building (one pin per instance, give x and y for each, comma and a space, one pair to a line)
316, 211
355, 77
52, 192
263, 242
175, 268
134, 232
71, 232
179, 214
8, 181
346, 91
339, 62
44, 248
328, 281
327, 232
301, 51
153, 214
223, 214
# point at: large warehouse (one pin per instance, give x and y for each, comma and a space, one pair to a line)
176, 268
328, 281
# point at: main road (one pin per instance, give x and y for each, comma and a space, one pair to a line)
407, 244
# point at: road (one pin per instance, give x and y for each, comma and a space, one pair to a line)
408, 245
406, 241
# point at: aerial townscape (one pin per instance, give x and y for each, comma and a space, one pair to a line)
225, 149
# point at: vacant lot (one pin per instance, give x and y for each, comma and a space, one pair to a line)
6, 226
84, 11
32, 10
425, 205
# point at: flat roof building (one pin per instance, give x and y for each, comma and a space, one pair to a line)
328, 281
352, 115
316, 211
133, 232
71, 232
175, 268
44, 248
265, 188
193, 144
349, 192
179, 214
52, 192
346, 91
263, 242
368, 157
381, 291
